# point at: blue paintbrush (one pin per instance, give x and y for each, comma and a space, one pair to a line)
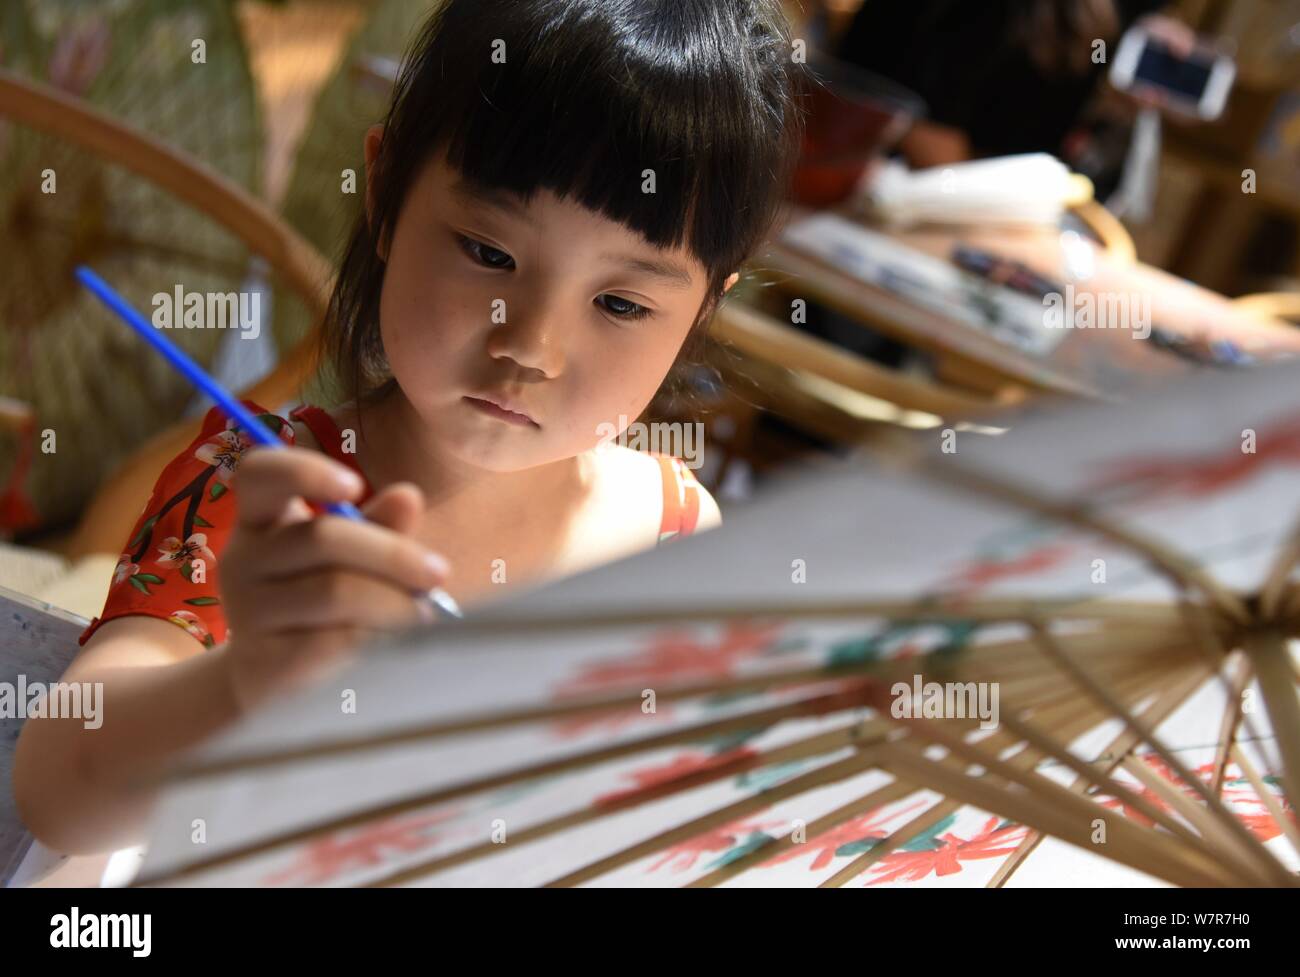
233, 409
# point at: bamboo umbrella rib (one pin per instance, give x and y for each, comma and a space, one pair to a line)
579, 761
854, 734
1286, 824
896, 838
1182, 571
1270, 657
1213, 830
585, 707
861, 762
1118, 748
718, 727
1271, 595
1072, 716
1028, 779
1068, 714
930, 608
1070, 725
1012, 650
1291, 614
1217, 653
1148, 852
1098, 779
1232, 716
880, 797
1085, 681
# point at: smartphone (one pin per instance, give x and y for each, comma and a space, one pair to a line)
1196, 85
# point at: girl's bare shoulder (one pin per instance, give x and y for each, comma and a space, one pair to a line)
636, 480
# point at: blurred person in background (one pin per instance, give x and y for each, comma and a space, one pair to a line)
1001, 76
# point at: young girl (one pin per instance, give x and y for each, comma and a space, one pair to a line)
561, 192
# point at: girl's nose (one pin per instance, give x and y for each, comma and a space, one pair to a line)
534, 339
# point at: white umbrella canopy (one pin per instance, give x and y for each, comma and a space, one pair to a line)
1061, 656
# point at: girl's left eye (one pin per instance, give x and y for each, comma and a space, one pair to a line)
622, 308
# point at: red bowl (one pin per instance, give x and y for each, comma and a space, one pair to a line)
853, 116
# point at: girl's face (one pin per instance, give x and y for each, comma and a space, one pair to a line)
564, 317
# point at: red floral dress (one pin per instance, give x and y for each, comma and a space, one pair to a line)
170, 565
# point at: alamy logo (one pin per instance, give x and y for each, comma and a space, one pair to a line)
1100, 310
947, 700
686, 441
102, 930
179, 309
53, 700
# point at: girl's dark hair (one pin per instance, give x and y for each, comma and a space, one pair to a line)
589, 94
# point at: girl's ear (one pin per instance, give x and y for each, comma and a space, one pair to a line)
374, 136
731, 280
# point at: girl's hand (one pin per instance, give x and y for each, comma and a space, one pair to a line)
301, 592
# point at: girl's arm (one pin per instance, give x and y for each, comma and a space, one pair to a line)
82, 790
300, 595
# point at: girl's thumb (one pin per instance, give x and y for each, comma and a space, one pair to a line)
398, 507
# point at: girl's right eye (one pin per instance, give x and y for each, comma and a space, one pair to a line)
484, 254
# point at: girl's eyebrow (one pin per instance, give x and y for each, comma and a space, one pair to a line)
469, 192
670, 274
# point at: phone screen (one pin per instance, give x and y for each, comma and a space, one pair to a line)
1159, 66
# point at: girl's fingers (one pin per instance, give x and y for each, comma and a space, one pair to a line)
399, 507
331, 599
331, 542
267, 481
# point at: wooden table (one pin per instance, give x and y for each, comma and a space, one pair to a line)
1087, 362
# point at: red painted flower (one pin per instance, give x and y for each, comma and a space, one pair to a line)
682, 857
869, 825
946, 859
680, 766
609, 721
367, 847
1241, 799
979, 574
1198, 476
675, 656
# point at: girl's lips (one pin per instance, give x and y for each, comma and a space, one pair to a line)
509, 416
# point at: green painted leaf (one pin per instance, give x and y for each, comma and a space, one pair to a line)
186, 570
859, 847
928, 839
139, 585
729, 741
148, 577
201, 522
202, 601
217, 491
854, 651
756, 840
